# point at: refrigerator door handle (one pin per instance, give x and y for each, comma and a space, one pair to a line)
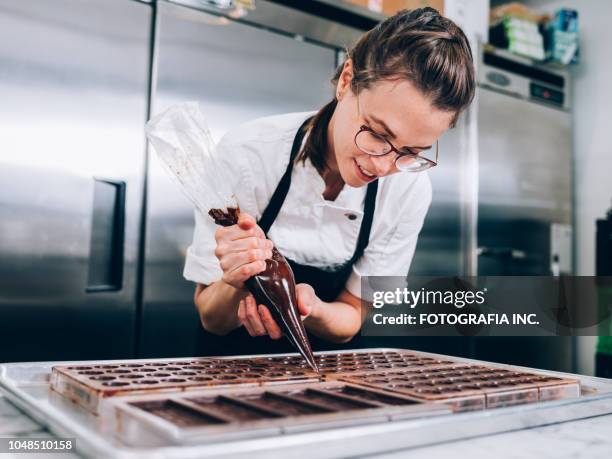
223, 6
501, 252
106, 250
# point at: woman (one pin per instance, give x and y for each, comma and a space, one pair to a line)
341, 192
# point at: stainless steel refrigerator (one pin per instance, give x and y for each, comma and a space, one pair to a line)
74, 78
524, 213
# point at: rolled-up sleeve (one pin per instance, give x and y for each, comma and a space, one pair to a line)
390, 253
201, 265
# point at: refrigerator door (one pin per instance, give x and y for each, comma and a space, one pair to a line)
525, 158
73, 86
439, 249
236, 72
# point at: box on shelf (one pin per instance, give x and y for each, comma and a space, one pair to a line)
563, 39
391, 7
372, 5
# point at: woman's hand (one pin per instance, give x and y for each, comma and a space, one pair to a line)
242, 250
258, 320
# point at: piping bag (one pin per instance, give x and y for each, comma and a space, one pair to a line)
275, 288
185, 147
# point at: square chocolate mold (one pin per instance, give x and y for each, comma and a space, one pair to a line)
471, 387
238, 413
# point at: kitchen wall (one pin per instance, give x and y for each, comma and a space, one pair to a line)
592, 146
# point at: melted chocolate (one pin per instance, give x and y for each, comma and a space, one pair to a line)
275, 288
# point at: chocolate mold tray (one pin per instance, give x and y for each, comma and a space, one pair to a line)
232, 413
441, 380
88, 384
364, 362
471, 387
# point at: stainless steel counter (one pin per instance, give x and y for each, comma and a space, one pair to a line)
589, 438
14, 423
581, 425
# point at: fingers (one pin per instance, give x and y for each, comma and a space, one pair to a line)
260, 232
247, 243
247, 222
240, 274
242, 250
248, 314
306, 298
234, 260
253, 316
246, 227
271, 326
243, 318
240, 264
257, 320
234, 232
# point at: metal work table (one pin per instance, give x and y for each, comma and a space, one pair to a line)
584, 438
577, 427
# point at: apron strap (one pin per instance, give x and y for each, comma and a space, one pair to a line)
366, 224
278, 198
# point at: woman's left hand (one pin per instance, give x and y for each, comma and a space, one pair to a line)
258, 320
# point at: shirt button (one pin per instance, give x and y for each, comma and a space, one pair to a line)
351, 216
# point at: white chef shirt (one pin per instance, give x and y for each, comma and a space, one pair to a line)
308, 229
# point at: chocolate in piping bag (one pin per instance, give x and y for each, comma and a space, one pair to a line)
186, 149
275, 288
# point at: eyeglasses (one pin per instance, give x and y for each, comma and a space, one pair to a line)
374, 144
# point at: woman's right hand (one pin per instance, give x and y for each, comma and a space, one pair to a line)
242, 250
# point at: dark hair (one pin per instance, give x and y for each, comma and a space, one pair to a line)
420, 46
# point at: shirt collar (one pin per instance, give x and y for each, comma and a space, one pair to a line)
312, 186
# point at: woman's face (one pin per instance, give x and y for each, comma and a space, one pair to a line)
395, 110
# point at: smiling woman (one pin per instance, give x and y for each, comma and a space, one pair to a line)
325, 187
414, 74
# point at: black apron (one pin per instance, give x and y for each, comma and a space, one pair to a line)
328, 283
